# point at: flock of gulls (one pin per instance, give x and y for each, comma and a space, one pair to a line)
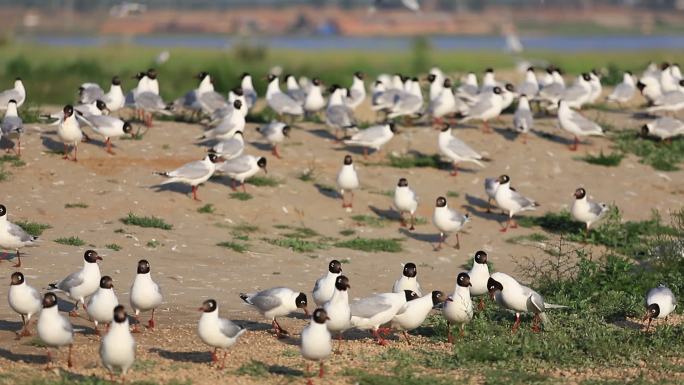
397, 100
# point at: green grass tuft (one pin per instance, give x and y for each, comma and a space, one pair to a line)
206, 209
453, 194
241, 196
261, 181
372, 244
611, 160
33, 228
417, 160
113, 246
235, 246
369, 220
253, 368
347, 232
70, 241
522, 239
142, 221
78, 205
660, 156
301, 232
14, 160
153, 244
297, 245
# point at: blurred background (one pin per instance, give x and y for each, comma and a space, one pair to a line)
57, 44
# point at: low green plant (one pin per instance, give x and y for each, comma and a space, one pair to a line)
113, 246
253, 368
369, 220
70, 241
660, 156
34, 228
206, 209
611, 160
235, 246
297, 245
372, 244
144, 221
241, 196
78, 205
263, 181
417, 160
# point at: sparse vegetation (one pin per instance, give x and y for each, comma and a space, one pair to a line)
153, 244
13, 160
235, 246
78, 205
372, 244
610, 160
660, 156
34, 228
70, 241
297, 245
347, 232
113, 246
369, 220
263, 181
417, 160
453, 194
143, 221
206, 209
241, 196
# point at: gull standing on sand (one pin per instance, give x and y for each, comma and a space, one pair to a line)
458, 308
436, 85
248, 89
114, 98
469, 89
671, 101
523, 121
414, 313
407, 280
54, 329
194, 173
314, 101
595, 85
281, 102
242, 168
409, 102
294, 90
338, 115
579, 93
479, 274
13, 236
101, 303
512, 201
405, 201
347, 179
17, 93
325, 286
117, 350
530, 86
80, 284
586, 211
274, 132
373, 137
12, 126
512, 295
25, 300
219, 333
487, 107
338, 309
660, 302
357, 91
623, 92
456, 150
145, 295
664, 128
490, 187
230, 148
228, 125
69, 132
448, 221
371, 312
277, 302
316, 342
576, 124
107, 126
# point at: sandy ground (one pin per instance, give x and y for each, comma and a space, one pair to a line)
190, 267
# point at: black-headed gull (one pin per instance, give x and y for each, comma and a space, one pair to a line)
456, 150
650, 89
114, 98
274, 132
373, 137
228, 125
664, 128
69, 132
671, 101
17, 93
325, 286
523, 121
512, 201
117, 350
409, 102
242, 168
458, 308
101, 303
194, 173
280, 102
316, 342
445, 104
357, 91
479, 275
230, 148
579, 93
576, 124
277, 302
371, 312
414, 313
12, 126
12, 236
490, 187
82, 283
145, 294
24, 300
219, 333
405, 201
314, 101
54, 329
488, 106
469, 88
407, 280
338, 114
248, 89
338, 308
530, 86
623, 92
448, 221
512, 295
294, 90
107, 126
348, 180
586, 211
660, 302
596, 87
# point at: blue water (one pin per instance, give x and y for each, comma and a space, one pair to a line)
552, 43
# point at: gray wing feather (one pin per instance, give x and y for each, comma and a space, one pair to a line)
12, 124
8, 95
521, 200
368, 307
235, 166
18, 232
537, 301
265, 301
597, 208
574, 93
297, 95
339, 116
281, 101
229, 329
91, 94
583, 123
480, 107
229, 147
675, 97
622, 92
72, 280
212, 101
192, 170
150, 101
459, 147
370, 134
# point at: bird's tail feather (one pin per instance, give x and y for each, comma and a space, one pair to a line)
554, 306
245, 297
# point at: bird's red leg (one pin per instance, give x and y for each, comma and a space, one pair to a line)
506, 228
194, 193
233, 184
535, 323
74, 313
454, 172
574, 144
18, 259
365, 153
150, 323
441, 241
489, 205
321, 370
19, 146
378, 338
515, 224
407, 337
351, 201
214, 356
49, 359
75, 153
66, 152
450, 337
136, 325
413, 222
458, 242
481, 305
223, 361
516, 324
69, 362
275, 152
462, 332
244, 187
339, 344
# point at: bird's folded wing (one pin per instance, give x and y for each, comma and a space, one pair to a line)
235, 166
229, 329
192, 170
461, 149
18, 232
368, 307
72, 280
